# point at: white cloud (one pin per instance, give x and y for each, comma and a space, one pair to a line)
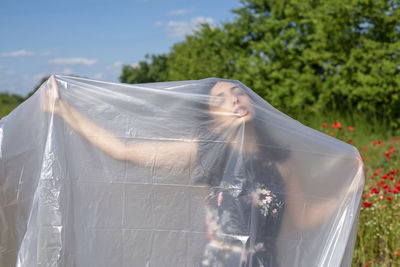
18, 53
118, 64
45, 54
73, 61
179, 12
158, 23
39, 76
67, 71
98, 75
183, 28
10, 72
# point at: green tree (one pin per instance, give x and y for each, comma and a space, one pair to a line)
331, 54
313, 55
153, 69
8, 102
208, 52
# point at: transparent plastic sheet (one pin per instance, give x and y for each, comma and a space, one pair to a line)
191, 173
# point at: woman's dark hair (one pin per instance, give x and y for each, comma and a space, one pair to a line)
209, 169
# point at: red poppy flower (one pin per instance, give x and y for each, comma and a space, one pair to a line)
387, 153
367, 204
350, 141
389, 198
374, 190
377, 171
373, 143
332, 133
379, 142
397, 253
350, 128
364, 148
324, 125
384, 186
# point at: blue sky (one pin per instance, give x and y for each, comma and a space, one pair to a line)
93, 38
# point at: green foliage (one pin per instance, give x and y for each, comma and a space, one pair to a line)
330, 54
8, 102
153, 69
202, 55
301, 56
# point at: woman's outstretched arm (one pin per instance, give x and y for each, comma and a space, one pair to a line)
164, 153
304, 215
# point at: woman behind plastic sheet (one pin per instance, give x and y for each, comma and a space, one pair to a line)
247, 188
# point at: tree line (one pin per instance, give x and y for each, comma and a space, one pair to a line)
9, 101
299, 55
307, 56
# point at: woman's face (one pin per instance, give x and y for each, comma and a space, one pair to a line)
229, 104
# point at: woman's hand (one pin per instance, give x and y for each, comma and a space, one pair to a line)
52, 99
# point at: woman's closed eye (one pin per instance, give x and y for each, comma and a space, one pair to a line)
218, 100
238, 92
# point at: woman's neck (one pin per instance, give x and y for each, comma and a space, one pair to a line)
246, 139
241, 139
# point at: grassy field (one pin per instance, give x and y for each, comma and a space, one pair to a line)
377, 241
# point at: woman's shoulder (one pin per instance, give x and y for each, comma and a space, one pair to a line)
211, 156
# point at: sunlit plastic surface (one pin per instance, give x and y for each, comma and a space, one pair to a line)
191, 173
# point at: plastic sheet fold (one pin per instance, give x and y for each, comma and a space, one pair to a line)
190, 173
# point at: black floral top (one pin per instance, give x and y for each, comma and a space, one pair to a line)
244, 213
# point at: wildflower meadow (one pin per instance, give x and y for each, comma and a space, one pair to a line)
377, 242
